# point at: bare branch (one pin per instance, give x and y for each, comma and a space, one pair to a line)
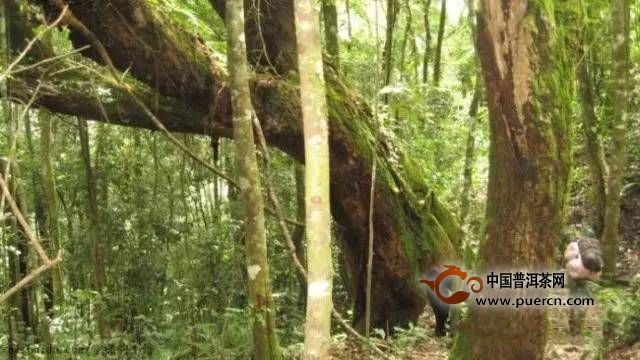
33, 41
33, 240
48, 60
29, 278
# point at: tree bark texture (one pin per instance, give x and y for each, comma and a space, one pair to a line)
265, 339
528, 81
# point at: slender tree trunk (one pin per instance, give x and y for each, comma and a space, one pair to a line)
97, 248
50, 202
387, 66
22, 308
20, 314
49, 295
317, 201
427, 42
330, 16
469, 157
405, 38
265, 340
298, 234
620, 29
595, 153
348, 10
9, 309
529, 166
437, 71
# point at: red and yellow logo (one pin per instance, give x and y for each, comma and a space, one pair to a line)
458, 296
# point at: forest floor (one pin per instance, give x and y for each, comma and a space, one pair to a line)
561, 345
419, 343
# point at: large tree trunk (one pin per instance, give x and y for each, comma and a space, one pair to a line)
529, 91
411, 226
265, 339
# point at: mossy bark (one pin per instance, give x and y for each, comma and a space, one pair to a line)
265, 339
529, 89
611, 234
595, 152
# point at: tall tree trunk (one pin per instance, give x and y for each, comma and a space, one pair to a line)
7, 116
437, 71
47, 280
427, 42
387, 57
620, 29
330, 16
298, 234
348, 11
405, 38
265, 340
529, 90
21, 307
50, 202
97, 248
317, 200
469, 157
595, 153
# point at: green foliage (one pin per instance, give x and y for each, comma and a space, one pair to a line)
621, 310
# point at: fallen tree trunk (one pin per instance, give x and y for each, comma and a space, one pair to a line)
412, 228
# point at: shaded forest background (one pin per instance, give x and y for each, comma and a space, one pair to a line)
152, 241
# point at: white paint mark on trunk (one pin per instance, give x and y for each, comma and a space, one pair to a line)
253, 271
319, 289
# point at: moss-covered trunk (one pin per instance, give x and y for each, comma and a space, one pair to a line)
595, 152
620, 40
265, 339
529, 91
